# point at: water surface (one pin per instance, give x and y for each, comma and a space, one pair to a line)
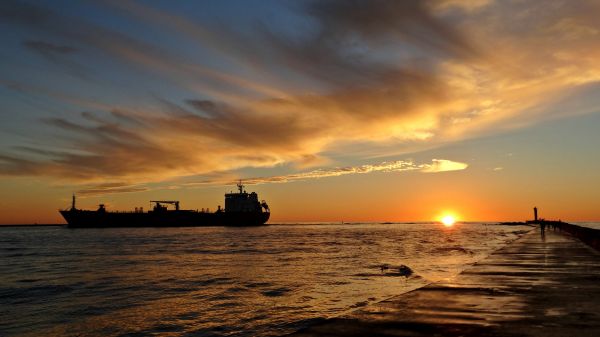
594, 225
217, 281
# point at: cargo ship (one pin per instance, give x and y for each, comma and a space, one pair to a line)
241, 209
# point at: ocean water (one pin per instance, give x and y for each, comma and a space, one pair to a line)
594, 225
216, 281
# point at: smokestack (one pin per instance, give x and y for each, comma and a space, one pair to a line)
535, 213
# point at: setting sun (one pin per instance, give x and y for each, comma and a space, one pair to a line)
448, 220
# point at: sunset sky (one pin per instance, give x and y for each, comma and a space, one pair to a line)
329, 110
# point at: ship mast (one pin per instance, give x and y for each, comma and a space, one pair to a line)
240, 186
73, 202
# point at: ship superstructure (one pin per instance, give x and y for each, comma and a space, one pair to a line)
241, 209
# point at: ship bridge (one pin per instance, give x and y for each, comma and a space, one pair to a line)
243, 201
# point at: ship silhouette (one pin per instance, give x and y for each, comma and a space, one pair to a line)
241, 209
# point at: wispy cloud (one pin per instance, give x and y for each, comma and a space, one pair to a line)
436, 166
110, 188
394, 166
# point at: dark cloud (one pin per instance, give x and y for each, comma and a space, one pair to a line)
350, 33
22, 12
244, 128
381, 22
58, 54
36, 17
99, 150
110, 188
118, 45
15, 166
339, 47
48, 48
50, 23
110, 149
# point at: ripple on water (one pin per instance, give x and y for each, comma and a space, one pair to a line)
258, 284
36, 293
359, 304
29, 280
236, 289
453, 249
276, 292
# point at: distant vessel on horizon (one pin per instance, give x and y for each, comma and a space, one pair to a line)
241, 209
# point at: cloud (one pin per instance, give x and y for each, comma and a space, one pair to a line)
381, 22
119, 46
437, 165
152, 147
407, 75
15, 166
394, 166
59, 54
443, 165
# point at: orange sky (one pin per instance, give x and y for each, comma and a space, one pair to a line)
332, 110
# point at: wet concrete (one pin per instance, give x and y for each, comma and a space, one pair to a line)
535, 286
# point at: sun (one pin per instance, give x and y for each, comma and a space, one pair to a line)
448, 220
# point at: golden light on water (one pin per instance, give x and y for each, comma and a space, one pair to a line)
448, 220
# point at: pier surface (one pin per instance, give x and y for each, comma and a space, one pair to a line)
536, 286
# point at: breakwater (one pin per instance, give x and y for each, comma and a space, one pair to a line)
544, 284
589, 236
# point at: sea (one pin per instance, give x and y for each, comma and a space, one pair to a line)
594, 225
218, 281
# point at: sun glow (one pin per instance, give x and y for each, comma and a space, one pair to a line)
448, 220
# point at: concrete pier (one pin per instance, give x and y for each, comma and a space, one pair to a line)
537, 286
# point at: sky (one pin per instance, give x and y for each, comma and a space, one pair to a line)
330, 110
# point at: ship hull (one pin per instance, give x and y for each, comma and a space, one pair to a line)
94, 219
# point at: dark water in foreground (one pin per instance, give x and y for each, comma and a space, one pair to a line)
219, 281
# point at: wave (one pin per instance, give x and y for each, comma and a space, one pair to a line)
276, 292
452, 249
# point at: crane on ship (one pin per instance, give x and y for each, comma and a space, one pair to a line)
158, 204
